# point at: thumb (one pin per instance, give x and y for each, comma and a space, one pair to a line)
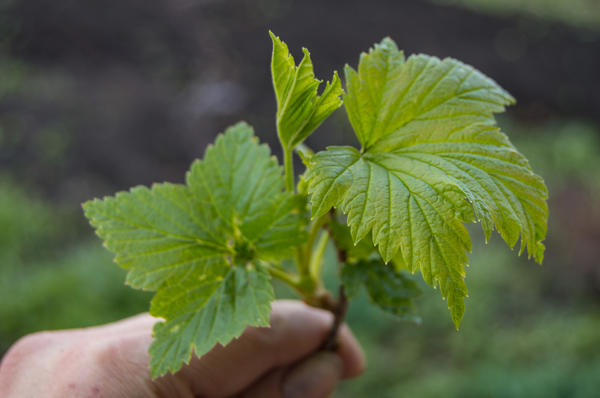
314, 377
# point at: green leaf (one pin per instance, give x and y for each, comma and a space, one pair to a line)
160, 235
390, 290
299, 109
431, 159
196, 244
203, 311
242, 185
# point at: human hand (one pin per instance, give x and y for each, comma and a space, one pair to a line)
112, 361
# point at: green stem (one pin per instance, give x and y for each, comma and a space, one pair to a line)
314, 231
288, 162
316, 260
290, 279
305, 254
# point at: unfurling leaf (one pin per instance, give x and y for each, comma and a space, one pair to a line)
299, 109
199, 245
431, 158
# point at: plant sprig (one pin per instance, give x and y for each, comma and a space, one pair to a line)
431, 159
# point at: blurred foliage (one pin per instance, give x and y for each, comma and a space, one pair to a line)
567, 151
572, 12
513, 343
48, 278
12, 73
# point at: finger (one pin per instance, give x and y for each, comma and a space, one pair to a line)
349, 349
269, 386
296, 331
139, 322
313, 377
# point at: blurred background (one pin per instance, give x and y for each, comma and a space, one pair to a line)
97, 96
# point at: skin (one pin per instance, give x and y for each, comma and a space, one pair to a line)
282, 361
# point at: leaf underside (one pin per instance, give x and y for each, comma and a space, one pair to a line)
200, 245
431, 159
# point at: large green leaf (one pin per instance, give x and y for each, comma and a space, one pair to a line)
198, 245
300, 110
431, 159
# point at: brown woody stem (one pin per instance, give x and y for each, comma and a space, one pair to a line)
339, 314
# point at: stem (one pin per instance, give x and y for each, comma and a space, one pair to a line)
314, 230
339, 314
291, 280
288, 163
316, 260
339, 309
308, 261
302, 284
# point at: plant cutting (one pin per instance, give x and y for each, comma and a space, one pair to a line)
430, 159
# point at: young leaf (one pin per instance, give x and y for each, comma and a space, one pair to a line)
242, 184
431, 159
390, 290
203, 311
199, 245
299, 109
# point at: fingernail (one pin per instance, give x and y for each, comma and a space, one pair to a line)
315, 377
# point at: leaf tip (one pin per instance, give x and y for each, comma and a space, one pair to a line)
538, 256
274, 38
306, 53
387, 43
457, 318
511, 100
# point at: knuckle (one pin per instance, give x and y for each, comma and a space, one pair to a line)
36, 340
27, 347
115, 357
268, 339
